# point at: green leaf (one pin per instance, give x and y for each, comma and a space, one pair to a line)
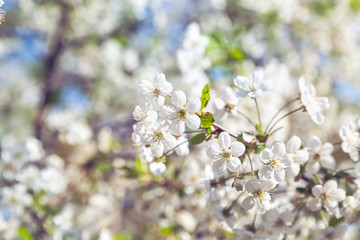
237, 54
205, 96
197, 139
24, 234
207, 120
335, 221
260, 147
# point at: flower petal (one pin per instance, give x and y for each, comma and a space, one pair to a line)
224, 140
317, 190
192, 121
213, 151
293, 144
157, 149
193, 105
237, 148
315, 204
248, 203
177, 127
234, 164
178, 99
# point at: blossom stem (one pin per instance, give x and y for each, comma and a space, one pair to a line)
194, 131
258, 111
223, 129
251, 166
289, 113
234, 202
172, 149
323, 218
243, 115
278, 112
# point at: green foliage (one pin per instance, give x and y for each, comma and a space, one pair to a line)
122, 236
207, 120
205, 96
335, 221
197, 139
24, 234
355, 5
260, 147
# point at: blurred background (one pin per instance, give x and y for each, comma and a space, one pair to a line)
69, 71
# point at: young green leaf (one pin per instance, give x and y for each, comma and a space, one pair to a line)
207, 120
205, 96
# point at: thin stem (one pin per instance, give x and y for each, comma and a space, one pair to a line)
258, 111
323, 218
194, 131
289, 113
223, 129
172, 149
243, 115
253, 223
234, 201
337, 143
278, 112
251, 166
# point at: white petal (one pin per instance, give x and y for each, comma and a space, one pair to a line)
169, 141
301, 156
237, 148
224, 140
266, 155
268, 185
279, 175
257, 77
193, 105
338, 195
327, 149
219, 166
293, 144
166, 89
317, 190
255, 94
265, 173
315, 204
252, 185
330, 185
145, 87
312, 167
178, 99
192, 121
293, 170
157, 149
213, 151
167, 112
314, 143
234, 164
177, 127
241, 93
278, 148
248, 203
266, 85
241, 82
218, 104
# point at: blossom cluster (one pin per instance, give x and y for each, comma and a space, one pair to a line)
286, 181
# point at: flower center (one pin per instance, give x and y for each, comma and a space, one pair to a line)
157, 92
229, 107
259, 194
181, 113
325, 196
158, 136
226, 154
317, 157
274, 163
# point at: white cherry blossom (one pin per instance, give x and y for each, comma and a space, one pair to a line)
314, 105
350, 140
225, 105
259, 194
276, 161
156, 90
160, 139
320, 155
328, 196
295, 156
144, 114
226, 154
252, 86
181, 113
157, 168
